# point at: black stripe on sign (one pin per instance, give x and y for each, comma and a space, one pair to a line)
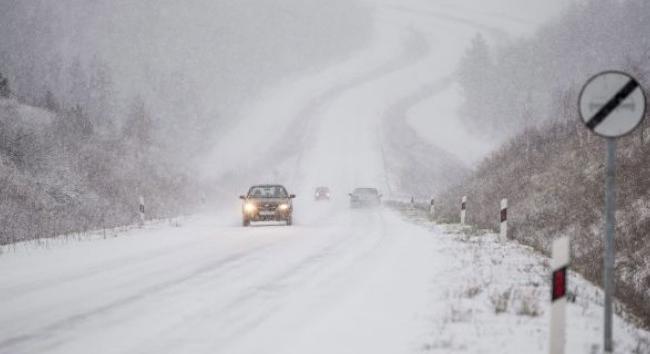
558, 286
610, 106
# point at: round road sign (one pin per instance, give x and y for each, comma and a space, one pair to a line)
612, 104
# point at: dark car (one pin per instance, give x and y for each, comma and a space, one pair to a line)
322, 193
267, 202
365, 197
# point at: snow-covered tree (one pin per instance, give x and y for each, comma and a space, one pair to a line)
138, 124
5, 91
474, 75
50, 102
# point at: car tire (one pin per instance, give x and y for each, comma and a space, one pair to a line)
246, 222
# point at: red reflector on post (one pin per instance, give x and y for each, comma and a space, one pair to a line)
559, 284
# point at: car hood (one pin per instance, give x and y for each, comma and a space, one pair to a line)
268, 200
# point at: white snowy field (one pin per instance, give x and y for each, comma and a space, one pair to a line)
340, 281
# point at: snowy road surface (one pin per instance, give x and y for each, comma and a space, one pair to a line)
341, 281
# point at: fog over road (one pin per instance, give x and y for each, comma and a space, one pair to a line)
332, 126
340, 280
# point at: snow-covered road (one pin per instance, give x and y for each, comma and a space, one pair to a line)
336, 283
341, 281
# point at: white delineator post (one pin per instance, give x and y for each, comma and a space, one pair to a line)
463, 209
559, 266
432, 208
141, 210
503, 231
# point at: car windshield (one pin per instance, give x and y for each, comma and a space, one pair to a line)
267, 192
322, 189
366, 191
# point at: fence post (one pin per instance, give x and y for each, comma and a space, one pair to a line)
463, 209
142, 210
503, 231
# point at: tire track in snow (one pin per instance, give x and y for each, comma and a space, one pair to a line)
495, 32
49, 332
51, 336
501, 16
272, 295
95, 270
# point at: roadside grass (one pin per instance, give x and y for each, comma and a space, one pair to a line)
505, 283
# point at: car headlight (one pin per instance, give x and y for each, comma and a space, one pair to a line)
249, 207
283, 207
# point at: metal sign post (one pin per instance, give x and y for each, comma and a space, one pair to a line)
610, 224
612, 104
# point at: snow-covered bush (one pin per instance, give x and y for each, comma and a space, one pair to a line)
500, 300
5, 91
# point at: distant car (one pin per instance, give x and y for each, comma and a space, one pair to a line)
322, 193
365, 197
267, 202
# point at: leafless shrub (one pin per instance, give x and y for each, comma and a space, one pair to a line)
528, 303
471, 291
441, 343
459, 314
642, 346
500, 300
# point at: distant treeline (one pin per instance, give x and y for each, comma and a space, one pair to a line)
526, 83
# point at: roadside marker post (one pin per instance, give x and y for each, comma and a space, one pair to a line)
503, 230
559, 265
612, 104
141, 210
432, 208
463, 210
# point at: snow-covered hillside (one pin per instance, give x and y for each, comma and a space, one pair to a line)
58, 177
